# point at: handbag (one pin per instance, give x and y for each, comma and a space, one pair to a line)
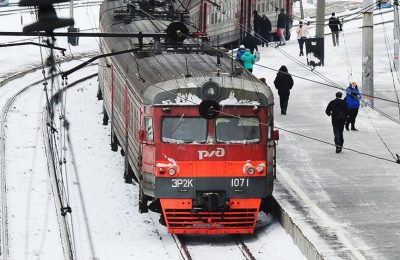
257, 55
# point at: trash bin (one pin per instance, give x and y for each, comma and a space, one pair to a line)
73, 40
315, 51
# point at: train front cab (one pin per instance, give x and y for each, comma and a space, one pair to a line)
210, 175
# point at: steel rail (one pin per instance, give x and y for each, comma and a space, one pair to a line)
243, 247
182, 247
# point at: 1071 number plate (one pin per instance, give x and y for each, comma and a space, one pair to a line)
240, 182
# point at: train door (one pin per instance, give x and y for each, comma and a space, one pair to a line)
245, 17
147, 150
203, 17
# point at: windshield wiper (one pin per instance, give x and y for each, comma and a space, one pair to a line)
179, 123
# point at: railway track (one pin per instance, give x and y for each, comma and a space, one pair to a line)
236, 243
4, 235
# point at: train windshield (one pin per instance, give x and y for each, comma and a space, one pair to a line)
238, 130
184, 130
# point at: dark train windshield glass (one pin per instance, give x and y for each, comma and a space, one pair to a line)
184, 130
238, 130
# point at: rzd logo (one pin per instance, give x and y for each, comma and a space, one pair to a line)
220, 152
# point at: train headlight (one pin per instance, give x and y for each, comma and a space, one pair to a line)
171, 171
250, 170
210, 90
161, 171
260, 169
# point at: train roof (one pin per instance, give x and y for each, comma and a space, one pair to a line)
175, 71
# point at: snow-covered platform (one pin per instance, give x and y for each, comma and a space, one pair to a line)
346, 204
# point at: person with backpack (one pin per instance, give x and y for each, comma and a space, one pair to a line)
337, 109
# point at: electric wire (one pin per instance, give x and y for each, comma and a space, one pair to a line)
390, 58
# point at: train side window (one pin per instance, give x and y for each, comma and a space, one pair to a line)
148, 126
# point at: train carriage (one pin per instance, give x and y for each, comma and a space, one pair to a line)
196, 130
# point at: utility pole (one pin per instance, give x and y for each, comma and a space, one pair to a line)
396, 35
319, 30
368, 52
71, 9
301, 10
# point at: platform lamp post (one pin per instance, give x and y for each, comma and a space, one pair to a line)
73, 40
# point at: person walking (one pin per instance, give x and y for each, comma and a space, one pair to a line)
283, 83
248, 60
250, 42
265, 29
337, 109
281, 27
302, 34
239, 54
334, 25
353, 97
257, 26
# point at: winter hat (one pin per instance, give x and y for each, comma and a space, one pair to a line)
241, 46
247, 49
339, 94
333, 14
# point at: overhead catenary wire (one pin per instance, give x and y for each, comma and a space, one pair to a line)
390, 58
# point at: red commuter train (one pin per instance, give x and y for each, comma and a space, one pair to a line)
196, 130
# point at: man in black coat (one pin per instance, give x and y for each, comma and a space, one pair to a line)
283, 83
257, 25
337, 109
281, 27
335, 26
265, 29
250, 43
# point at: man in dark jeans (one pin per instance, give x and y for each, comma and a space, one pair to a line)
339, 111
335, 26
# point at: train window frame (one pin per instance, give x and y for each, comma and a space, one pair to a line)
203, 128
242, 141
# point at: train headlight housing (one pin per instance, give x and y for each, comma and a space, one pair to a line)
261, 168
210, 90
250, 170
161, 170
171, 171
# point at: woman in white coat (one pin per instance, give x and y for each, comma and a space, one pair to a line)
302, 34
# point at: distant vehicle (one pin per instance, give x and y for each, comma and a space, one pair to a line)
4, 3
383, 4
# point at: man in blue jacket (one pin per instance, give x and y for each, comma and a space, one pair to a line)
353, 97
